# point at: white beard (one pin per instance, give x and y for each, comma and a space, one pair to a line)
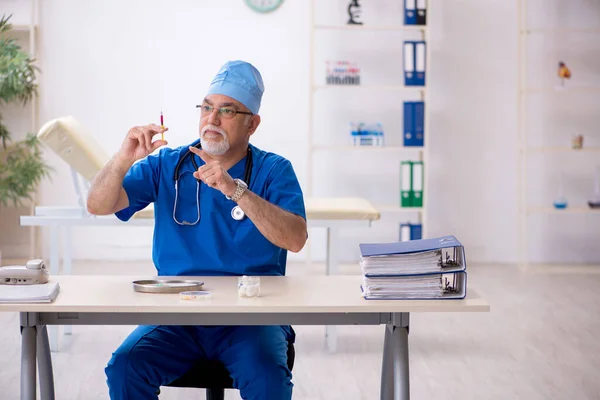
212, 147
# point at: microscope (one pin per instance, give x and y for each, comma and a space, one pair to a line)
354, 12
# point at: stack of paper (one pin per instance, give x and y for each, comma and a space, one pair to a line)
416, 269
415, 263
45, 293
410, 287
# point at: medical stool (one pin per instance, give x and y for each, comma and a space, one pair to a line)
212, 376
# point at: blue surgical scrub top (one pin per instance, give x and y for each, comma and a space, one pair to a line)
217, 244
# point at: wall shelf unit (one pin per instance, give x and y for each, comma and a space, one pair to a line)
336, 143
545, 163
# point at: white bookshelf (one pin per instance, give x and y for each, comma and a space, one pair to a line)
569, 210
371, 28
393, 148
528, 152
420, 89
559, 31
566, 91
550, 149
390, 209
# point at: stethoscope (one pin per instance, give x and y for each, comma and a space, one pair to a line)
236, 213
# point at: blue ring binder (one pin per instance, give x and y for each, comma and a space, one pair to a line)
424, 269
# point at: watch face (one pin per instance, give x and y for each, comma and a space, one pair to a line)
264, 6
241, 182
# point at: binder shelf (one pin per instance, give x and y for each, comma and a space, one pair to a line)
406, 137
411, 183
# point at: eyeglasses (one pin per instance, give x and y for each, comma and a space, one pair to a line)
224, 112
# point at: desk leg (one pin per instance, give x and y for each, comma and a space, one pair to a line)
54, 270
45, 364
28, 370
332, 269
387, 367
332, 251
331, 338
67, 263
395, 377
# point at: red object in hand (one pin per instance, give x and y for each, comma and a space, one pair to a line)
162, 125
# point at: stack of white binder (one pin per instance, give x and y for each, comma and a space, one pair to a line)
417, 269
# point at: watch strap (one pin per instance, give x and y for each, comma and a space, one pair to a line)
239, 191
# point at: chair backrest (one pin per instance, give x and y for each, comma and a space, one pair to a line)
72, 142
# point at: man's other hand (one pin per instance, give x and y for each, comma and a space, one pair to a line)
213, 174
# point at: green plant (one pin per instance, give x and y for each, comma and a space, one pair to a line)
21, 165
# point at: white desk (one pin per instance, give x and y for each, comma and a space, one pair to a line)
295, 300
330, 213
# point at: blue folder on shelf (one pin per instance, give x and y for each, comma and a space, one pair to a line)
414, 123
417, 269
419, 121
414, 62
415, 12
410, 12
416, 231
410, 231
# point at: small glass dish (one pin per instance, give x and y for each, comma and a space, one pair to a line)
248, 286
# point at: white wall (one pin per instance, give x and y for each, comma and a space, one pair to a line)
114, 64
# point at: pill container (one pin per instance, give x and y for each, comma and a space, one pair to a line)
248, 286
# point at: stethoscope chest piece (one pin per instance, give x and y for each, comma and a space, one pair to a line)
237, 213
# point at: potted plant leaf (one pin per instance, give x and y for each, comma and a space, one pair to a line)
21, 165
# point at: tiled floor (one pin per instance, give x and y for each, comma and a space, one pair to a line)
541, 340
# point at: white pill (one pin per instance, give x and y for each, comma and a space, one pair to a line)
253, 291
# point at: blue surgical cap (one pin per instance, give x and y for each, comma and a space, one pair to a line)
240, 81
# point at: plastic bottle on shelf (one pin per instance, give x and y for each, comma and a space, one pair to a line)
367, 135
561, 201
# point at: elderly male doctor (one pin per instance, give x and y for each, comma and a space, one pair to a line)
222, 207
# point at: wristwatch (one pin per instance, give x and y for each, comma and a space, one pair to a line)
239, 191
